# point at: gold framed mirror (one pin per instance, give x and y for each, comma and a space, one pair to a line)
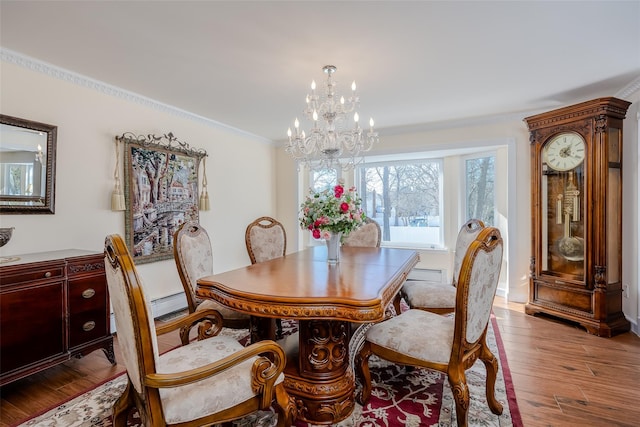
27, 166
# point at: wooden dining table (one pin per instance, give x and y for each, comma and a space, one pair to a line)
325, 299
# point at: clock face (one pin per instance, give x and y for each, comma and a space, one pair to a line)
565, 151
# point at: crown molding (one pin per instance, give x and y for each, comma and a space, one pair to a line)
53, 71
629, 89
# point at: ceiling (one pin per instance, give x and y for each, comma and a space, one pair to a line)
249, 64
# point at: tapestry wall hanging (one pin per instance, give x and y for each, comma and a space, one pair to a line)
161, 192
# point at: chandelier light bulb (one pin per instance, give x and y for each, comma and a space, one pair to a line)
296, 123
356, 117
353, 86
371, 122
342, 100
313, 85
315, 116
289, 133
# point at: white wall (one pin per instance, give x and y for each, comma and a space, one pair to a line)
241, 186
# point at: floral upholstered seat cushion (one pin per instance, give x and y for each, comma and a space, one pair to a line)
426, 294
222, 391
431, 335
267, 243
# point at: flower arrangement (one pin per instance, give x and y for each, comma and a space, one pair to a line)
331, 211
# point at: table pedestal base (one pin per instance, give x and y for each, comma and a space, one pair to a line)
320, 378
326, 403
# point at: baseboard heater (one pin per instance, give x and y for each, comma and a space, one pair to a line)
429, 274
162, 306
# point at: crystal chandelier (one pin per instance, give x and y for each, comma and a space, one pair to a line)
332, 141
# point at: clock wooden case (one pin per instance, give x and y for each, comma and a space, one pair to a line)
576, 184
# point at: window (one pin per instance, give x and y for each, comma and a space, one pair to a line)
16, 179
479, 188
322, 179
405, 198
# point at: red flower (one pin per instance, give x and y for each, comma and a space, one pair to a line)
316, 233
344, 206
338, 190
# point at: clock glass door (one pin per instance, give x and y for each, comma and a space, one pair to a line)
562, 193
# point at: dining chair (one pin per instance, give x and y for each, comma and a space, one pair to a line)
449, 344
193, 256
367, 235
266, 239
212, 380
440, 297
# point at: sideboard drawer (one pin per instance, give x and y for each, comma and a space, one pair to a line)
88, 303
19, 276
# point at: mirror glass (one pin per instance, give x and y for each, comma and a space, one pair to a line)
27, 161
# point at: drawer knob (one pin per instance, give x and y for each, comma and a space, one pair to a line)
47, 274
88, 293
88, 326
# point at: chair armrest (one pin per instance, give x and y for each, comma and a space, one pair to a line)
265, 371
188, 321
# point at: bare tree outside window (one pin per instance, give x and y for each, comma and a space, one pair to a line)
405, 199
321, 179
480, 177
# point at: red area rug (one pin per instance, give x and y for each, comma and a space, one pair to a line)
401, 396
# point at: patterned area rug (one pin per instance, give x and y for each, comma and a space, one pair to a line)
401, 396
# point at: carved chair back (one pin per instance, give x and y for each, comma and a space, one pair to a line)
367, 235
265, 239
467, 234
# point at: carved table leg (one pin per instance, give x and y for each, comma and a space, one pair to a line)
322, 383
262, 328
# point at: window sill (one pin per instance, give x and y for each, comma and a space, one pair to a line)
415, 247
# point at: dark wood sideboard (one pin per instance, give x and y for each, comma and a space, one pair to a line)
53, 306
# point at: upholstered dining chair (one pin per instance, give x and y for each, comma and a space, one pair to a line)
449, 344
266, 239
193, 256
367, 235
440, 297
212, 380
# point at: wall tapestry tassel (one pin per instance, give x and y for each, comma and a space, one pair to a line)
204, 196
117, 196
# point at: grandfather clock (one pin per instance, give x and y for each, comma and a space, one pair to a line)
576, 186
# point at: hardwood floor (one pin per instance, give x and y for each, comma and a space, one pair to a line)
562, 375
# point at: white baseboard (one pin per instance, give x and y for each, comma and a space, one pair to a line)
634, 326
161, 306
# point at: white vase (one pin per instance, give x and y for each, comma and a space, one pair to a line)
333, 248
